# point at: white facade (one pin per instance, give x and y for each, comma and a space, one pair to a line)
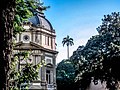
39, 39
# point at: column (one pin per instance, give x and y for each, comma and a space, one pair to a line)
54, 72
43, 74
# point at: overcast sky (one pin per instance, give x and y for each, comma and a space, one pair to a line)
78, 19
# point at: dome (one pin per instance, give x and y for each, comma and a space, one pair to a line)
40, 20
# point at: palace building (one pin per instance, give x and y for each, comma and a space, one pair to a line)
39, 38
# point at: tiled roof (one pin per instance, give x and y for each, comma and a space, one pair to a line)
39, 20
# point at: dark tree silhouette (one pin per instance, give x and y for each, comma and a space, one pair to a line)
100, 58
7, 8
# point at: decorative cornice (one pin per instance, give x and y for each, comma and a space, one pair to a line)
18, 44
36, 47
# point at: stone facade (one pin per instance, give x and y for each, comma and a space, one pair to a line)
39, 38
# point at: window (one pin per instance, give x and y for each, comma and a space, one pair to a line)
26, 38
48, 41
51, 43
37, 37
37, 59
48, 79
45, 40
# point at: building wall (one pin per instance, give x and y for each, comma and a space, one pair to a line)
45, 39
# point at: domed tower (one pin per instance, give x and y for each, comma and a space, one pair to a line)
39, 38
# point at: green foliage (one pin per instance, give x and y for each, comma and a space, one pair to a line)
22, 13
65, 75
24, 10
110, 23
77, 57
100, 58
29, 72
68, 41
22, 75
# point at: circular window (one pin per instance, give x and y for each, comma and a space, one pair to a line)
26, 38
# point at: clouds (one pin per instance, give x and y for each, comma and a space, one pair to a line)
78, 19
80, 36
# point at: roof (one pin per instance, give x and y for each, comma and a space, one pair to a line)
40, 20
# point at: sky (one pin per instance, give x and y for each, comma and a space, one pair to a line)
78, 19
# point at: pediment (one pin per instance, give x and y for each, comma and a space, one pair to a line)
49, 65
30, 45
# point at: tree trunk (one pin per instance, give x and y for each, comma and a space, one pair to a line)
68, 51
6, 32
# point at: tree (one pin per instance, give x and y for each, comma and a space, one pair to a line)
69, 42
65, 76
12, 14
77, 56
101, 54
21, 77
7, 13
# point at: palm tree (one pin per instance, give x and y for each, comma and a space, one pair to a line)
69, 42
